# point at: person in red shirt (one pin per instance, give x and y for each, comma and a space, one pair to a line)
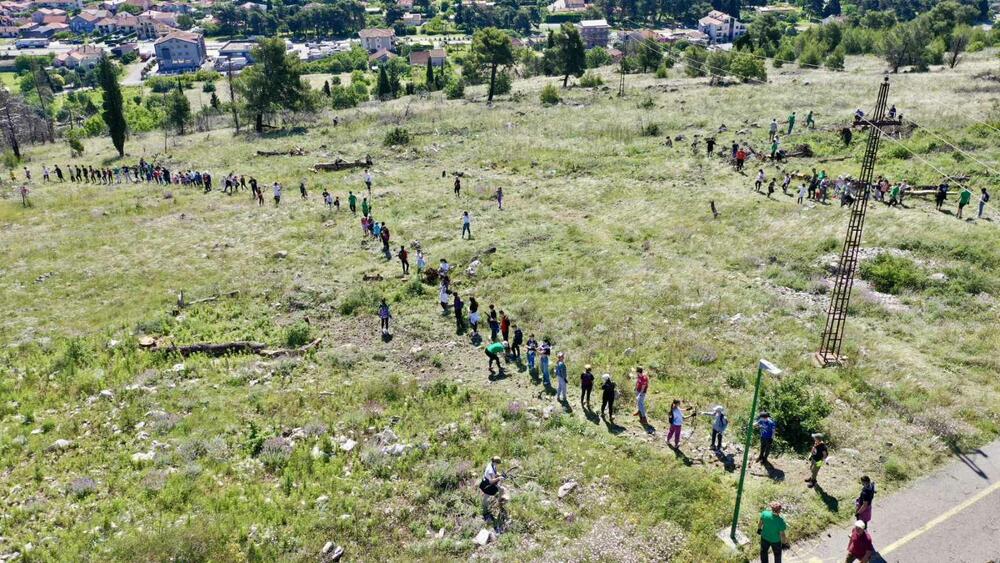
741, 156
641, 387
860, 547
504, 325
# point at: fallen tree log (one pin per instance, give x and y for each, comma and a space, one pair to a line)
295, 151
181, 303
341, 164
236, 347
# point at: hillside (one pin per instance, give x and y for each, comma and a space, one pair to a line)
606, 245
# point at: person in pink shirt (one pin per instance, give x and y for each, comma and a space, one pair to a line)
641, 387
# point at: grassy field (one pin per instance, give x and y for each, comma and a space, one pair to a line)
606, 245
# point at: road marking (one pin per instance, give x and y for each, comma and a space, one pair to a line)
941, 518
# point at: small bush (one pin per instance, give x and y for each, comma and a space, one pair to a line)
651, 130
275, 453
893, 274
503, 84
297, 335
397, 136
797, 412
661, 71
445, 476
550, 95
895, 469
359, 299
455, 89
591, 80
208, 87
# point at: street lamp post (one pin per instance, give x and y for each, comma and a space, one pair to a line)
771, 369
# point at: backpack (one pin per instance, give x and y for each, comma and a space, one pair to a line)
986, 197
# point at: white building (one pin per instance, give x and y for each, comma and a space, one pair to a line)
595, 33
374, 39
180, 51
721, 27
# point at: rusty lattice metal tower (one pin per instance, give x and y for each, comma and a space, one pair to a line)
836, 318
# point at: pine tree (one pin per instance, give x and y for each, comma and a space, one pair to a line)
114, 105
430, 75
572, 55
215, 102
383, 90
178, 109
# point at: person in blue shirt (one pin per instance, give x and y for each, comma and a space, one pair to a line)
766, 425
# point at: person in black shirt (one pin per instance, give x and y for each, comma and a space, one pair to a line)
817, 457
710, 142
586, 386
459, 321
608, 397
863, 504
515, 348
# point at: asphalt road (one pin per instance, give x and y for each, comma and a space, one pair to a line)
950, 516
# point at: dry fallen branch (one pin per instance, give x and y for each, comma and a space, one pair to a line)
295, 151
181, 303
224, 348
341, 164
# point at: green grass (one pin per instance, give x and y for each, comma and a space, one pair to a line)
606, 245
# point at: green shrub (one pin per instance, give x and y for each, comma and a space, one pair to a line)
503, 84
550, 95
208, 87
397, 136
651, 130
797, 412
661, 71
455, 89
896, 469
444, 475
893, 274
591, 80
297, 335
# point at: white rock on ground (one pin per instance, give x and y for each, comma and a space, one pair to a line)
567, 488
61, 444
348, 445
483, 537
142, 457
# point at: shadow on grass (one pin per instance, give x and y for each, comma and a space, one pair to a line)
681, 455
728, 460
283, 132
591, 416
830, 501
773, 473
499, 375
386, 337
613, 427
460, 328
476, 339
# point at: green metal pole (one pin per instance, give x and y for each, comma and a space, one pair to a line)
746, 453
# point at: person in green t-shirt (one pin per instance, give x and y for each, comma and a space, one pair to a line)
493, 352
791, 123
810, 122
772, 533
964, 197
352, 202
365, 207
894, 196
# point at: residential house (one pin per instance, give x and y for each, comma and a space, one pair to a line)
692, 36
567, 6
68, 5
86, 21
777, 9
374, 39
413, 19
406, 5
594, 33
125, 48
122, 23
250, 6
721, 27
636, 36
237, 49
143, 5
33, 30
44, 15
180, 51
437, 57
84, 56
8, 31
381, 56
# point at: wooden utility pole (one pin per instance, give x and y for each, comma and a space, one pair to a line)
833, 334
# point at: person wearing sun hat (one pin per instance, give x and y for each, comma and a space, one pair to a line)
719, 424
860, 547
608, 396
561, 377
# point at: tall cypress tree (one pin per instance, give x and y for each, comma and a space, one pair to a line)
383, 89
114, 104
430, 75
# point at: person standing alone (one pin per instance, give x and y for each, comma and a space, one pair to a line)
641, 388
466, 225
772, 533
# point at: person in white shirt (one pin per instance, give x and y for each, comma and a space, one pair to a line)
466, 224
277, 193
760, 180
490, 485
803, 190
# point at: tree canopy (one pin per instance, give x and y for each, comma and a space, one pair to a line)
274, 83
491, 48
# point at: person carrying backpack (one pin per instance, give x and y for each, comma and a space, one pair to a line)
863, 504
719, 424
384, 315
608, 396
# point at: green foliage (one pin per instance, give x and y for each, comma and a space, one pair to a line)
504, 83
550, 95
491, 49
835, 60
598, 57
905, 45
360, 299
208, 87
591, 80
649, 54
651, 130
812, 55
797, 410
694, 61
299, 334
114, 105
570, 57
455, 89
893, 274
662, 71
178, 110
747, 67
355, 59
396, 137
274, 83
